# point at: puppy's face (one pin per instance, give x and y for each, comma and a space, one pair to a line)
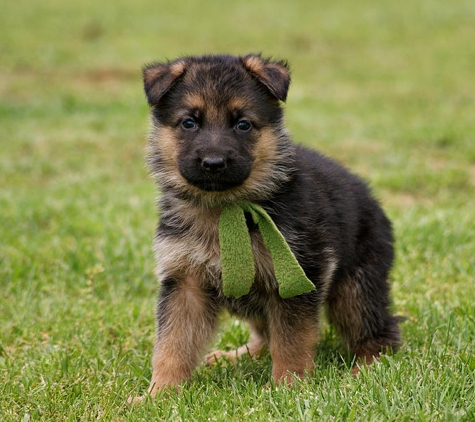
218, 125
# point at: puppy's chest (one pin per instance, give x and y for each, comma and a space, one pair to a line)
191, 246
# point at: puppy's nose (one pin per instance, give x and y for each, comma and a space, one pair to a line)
213, 164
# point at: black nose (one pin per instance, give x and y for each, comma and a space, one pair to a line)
213, 164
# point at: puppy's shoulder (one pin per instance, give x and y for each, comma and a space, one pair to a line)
322, 175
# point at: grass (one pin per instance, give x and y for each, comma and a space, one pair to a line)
385, 87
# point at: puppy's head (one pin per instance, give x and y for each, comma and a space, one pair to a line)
218, 133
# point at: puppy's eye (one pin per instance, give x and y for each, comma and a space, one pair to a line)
243, 126
188, 124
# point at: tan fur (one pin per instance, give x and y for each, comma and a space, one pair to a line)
162, 139
292, 344
262, 177
194, 102
258, 67
198, 252
190, 324
169, 73
345, 311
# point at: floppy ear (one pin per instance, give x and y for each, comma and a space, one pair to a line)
158, 78
274, 75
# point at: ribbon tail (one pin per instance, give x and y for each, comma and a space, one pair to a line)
289, 274
237, 258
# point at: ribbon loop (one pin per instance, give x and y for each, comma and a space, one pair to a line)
237, 260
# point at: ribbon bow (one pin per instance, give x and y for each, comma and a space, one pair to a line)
237, 260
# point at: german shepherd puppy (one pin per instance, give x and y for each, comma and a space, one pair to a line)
218, 137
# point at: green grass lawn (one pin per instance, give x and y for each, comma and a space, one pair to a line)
388, 88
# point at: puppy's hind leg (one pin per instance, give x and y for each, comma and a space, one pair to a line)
256, 347
186, 320
359, 309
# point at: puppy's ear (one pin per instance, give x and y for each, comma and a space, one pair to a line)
274, 75
158, 78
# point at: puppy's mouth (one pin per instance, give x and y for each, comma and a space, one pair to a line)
214, 186
215, 174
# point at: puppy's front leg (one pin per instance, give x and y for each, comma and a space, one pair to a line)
186, 318
293, 336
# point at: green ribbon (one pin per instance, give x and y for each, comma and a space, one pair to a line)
237, 259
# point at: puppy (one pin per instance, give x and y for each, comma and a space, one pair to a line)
218, 139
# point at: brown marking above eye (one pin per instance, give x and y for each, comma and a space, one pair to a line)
237, 104
194, 102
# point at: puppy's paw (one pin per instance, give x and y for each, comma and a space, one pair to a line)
213, 357
364, 361
135, 400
